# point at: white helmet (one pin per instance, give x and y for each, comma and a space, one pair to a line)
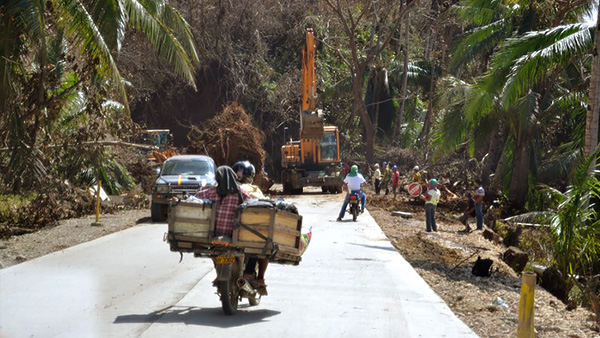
416, 168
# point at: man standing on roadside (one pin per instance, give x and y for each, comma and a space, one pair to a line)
386, 176
431, 198
377, 178
479, 194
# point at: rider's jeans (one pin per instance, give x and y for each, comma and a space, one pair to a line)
363, 201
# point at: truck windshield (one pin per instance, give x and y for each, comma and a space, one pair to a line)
186, 167
329, 147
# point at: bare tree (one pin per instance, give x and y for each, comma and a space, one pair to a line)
384, 18
403, 90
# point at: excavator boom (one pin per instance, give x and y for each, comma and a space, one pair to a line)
314, 159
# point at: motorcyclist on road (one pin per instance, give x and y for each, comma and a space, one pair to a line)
245, 173
353, 181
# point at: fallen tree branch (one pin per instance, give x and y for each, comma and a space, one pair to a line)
107, 143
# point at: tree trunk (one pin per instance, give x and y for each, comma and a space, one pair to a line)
359, 105
493, 156
519, 183
496, 184
424, 135
400, 115
593, 109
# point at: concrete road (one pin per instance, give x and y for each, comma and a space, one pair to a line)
351, 283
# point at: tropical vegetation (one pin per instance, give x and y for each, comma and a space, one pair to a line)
512, 84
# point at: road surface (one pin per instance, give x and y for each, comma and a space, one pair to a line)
351, 283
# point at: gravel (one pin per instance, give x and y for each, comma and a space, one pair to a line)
68, 233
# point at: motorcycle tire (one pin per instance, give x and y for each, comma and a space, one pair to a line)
354, 213
229, 295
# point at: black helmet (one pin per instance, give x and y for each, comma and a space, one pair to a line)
245, 171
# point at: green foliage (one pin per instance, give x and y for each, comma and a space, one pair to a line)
11, 204
573, 222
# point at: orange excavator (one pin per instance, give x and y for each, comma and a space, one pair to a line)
314, 159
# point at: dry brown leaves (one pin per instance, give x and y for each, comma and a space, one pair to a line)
229, 137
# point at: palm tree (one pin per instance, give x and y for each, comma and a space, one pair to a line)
593, 114
40, 38
521, 81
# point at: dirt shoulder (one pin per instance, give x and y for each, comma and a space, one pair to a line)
443, 259
67, 233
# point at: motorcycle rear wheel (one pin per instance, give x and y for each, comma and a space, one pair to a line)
229, 294
354, 210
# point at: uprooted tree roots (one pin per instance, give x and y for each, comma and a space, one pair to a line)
229, 137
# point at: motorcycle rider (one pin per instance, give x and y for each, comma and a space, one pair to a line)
353, 181
245, 172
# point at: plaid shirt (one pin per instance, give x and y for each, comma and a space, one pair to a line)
225, 214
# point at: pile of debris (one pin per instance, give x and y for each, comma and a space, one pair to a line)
229, 137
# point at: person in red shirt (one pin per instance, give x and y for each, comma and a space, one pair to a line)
395, 179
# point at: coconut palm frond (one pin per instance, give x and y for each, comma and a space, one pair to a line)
111, 19
161, 37
115, 177
57, 49
173, 19
454, 90
480, 41
481, 12
451, 130
541, 217
80, 26
480, 102
545, 51
558, 165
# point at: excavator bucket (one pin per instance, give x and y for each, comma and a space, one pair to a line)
312, 126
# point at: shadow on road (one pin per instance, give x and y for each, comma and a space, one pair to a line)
199, 316
375, 247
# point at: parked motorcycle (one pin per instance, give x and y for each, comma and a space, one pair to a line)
354, 204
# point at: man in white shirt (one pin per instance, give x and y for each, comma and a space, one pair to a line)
353, 181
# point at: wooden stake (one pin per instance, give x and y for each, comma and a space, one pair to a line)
525, 327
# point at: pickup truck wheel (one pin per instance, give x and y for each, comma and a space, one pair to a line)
156, 212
